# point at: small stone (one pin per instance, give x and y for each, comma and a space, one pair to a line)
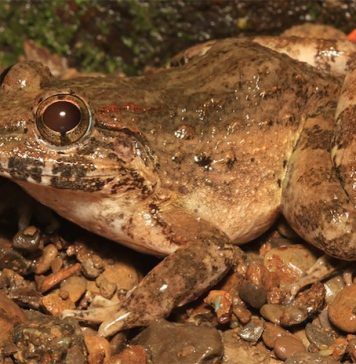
287, 345
132, 354
98, 348
308, 358
75, 286
55, 304
342, 311
175, 343
10, 315
43, 264
271, 333
28, 239
272, 312
319, 337
252, 331
253, 295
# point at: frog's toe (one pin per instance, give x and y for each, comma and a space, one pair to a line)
117, 322
96, 315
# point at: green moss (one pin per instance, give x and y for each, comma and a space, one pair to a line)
104, 36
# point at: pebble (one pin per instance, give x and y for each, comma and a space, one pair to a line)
75, 286
271, 333
28, 239
319, 337
122, 273
43, 264
10, 315
342, 310
98, 347
287, 345
310, 358
332, 287
253, 295
175, 343
132, 354
252, 331
289, 261
55, 304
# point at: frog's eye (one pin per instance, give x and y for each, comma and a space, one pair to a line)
63, 119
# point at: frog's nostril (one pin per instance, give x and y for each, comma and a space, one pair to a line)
62, 116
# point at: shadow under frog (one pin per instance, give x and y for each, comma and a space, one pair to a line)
191, 161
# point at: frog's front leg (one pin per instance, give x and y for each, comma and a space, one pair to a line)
314, 200
179, 278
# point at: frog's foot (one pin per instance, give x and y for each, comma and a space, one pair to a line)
95, 315
178, 279
344, 143
329, 55
321, 269
314, 200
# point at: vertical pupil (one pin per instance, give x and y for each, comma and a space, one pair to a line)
61, 116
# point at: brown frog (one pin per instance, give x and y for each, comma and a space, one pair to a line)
190, 161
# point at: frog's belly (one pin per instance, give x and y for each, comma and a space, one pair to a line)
125, 221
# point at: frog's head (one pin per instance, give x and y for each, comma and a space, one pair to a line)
66, 135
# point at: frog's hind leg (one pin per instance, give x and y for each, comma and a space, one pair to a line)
314, 200
178, 279
204, 257
344, 143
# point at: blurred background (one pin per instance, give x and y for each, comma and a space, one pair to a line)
129, 35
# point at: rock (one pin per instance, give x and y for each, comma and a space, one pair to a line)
342, 310
308, 358
238, 351
55, 304
12, 259
287, 345
252, 331
122, 273
175, 343
290, 262
45, 339
98, 349
10, 315
271, 333
75, 286
43, 264
133, 354
253, 295
319, 337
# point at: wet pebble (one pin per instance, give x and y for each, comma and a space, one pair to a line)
28, 239
253, 295
12, 259
123, 273
332, 287
319, 337
132, 354
45, 339
308, 358
10, 315
181, 343
271, 333
342, 310
287, 345
252, 331
43, 264
55, 304
283, 315
75, 286
98, 348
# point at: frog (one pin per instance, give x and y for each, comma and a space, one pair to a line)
189, 162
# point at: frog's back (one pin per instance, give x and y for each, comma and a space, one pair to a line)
225, 128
